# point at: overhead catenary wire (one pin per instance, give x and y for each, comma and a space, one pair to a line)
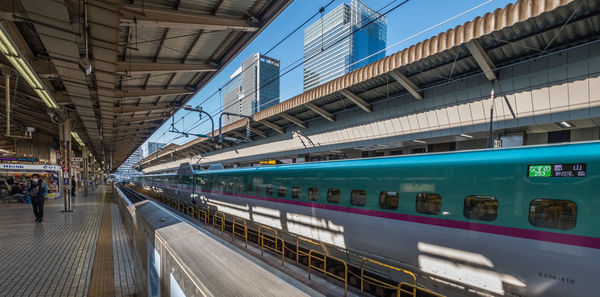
301, 60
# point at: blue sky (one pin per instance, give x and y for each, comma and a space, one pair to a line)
402, 26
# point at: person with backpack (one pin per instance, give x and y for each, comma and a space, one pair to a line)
36, 191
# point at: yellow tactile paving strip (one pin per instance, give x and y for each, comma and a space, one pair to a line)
102, 281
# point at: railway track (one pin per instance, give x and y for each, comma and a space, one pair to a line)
374, 284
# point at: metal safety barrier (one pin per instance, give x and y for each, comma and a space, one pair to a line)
222, 218
234, 222
275, 240
323, 258
417, 289
204, 216
298, 251
382, 283
190, 210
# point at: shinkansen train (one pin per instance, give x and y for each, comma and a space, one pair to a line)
502, 222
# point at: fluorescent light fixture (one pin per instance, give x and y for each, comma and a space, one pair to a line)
419, 141
565, 124
8, 48
465, 135
76, 136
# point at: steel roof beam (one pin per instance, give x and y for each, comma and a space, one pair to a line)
483, 60
162, 68
293, 119
170, 18
407, 84
272, 126
258, 132
322, 112
142, 107
139, 119
356, 100
238, 134
151, 93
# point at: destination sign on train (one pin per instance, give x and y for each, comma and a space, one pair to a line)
557, 170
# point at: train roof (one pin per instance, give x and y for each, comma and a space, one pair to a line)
574, 152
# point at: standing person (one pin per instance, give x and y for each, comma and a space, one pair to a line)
37, 190
73, 186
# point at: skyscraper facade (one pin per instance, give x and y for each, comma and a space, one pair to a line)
127, 169
334, 45
253, 87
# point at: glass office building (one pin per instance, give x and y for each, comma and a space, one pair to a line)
252, 88
331, 49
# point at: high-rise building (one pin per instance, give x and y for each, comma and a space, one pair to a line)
153, 147
127, 169
334, 46
253, 87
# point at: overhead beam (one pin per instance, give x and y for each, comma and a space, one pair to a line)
407, 84
293, 119
356, 100
151, 93
142, 107
483, 59
170, 18
238, 134
273, 126
139, 119
322, 112
161, 68
258, 132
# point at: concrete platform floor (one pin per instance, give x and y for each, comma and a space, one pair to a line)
59, 257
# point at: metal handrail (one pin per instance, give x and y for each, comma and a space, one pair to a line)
298, 251
205, 215
382, 283
324, 270
417, 289
234, 222
215, 216
261, 236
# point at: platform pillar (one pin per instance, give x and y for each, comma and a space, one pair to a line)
64, 132
85, 157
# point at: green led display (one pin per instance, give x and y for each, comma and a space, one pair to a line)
540, 170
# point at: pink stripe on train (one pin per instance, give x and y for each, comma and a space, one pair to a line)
569, 239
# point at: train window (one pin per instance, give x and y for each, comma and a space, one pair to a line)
313, 194
483, 208
388, 200
230, 188
296, 192
249, 188
222, 186
333, 195
269, 190
240, 188
429, 203
281, 192
259, 189
358, 197
554, 214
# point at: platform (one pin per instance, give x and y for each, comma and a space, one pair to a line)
83, 253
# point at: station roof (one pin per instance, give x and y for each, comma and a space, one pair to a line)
148, 58
520, 31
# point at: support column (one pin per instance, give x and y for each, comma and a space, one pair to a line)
85, 157
64, 131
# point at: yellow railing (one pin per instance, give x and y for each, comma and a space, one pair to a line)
204, 216
417, 289
221, 218
382, 283
234, 222
275, 239
298, 251
323, 258
279, 248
